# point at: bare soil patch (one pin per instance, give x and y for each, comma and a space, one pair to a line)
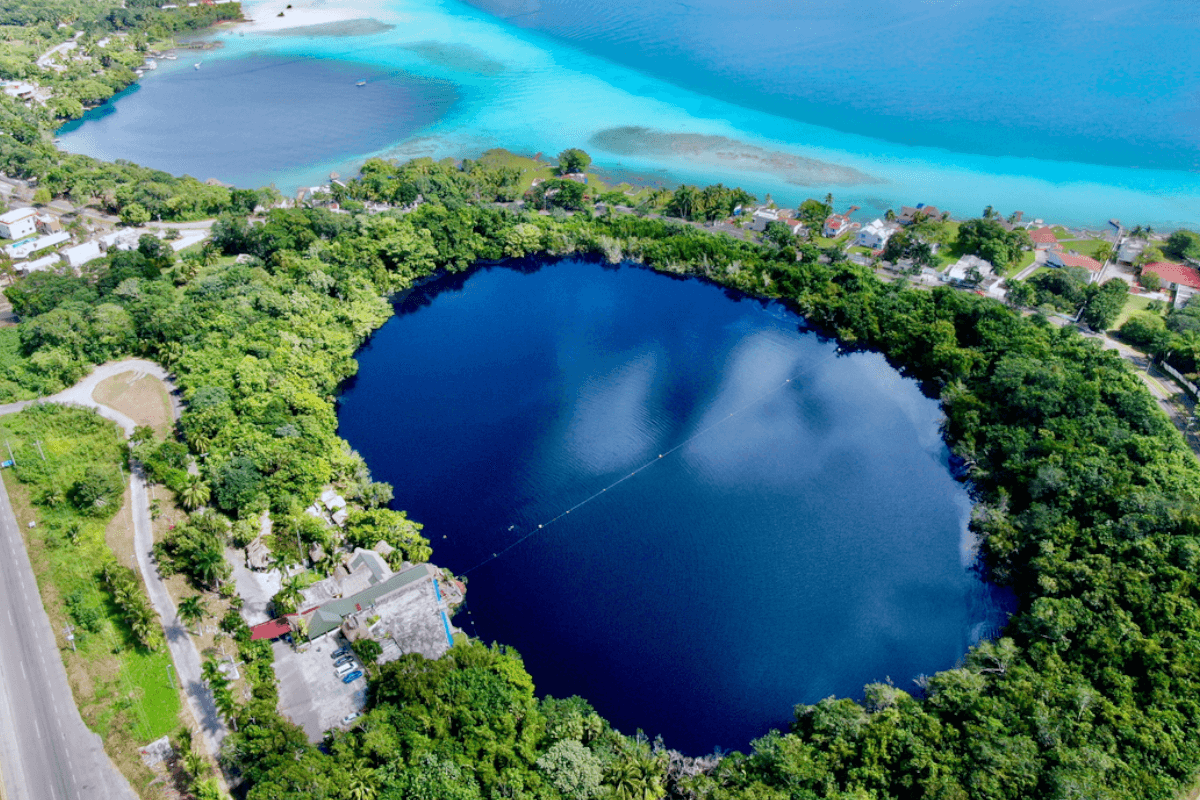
142, 398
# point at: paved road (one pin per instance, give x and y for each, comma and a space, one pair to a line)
183, 650
46, 751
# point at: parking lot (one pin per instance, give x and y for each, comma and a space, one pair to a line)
310, 694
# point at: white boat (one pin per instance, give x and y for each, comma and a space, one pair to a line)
197, 65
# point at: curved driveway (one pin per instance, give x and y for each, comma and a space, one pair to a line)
17, 771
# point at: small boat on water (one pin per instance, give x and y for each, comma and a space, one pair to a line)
361, 83
197, 65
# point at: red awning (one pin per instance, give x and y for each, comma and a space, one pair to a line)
270, 630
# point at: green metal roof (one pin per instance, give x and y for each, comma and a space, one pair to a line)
330, 615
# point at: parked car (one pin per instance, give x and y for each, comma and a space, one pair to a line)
352, 677
341, 651
346, 720
344, 660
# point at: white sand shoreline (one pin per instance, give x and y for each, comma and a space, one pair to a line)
262, 16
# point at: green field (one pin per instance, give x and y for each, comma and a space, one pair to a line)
1136, 304
124, 690
1086, 247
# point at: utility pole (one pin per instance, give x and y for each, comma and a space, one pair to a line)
70, 632
39, 447
170, 676
11, 457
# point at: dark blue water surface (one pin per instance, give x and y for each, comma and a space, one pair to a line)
1100, 81
795, 540
255, 119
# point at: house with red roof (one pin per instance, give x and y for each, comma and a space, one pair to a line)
1043, 238
1179, 278
1057, 259
837, 224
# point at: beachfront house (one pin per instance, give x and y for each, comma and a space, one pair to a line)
838, 224
18, 223
910, 214
1179, 278
761, 216
1043, 238
1129, 250
875, 234
1055, 258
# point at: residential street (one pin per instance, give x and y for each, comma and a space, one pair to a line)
46, 751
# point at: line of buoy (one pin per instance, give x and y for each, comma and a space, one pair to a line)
633, 474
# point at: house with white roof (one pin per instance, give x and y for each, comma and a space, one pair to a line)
30, 245
18, 223
81, 254
875, 234
38, 265
960, 271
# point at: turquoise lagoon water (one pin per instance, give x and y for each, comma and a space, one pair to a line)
981, 114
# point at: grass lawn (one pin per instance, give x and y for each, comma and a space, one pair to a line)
1086, 247
821, 241
1136, 304
1026, 259
123, 690
528, 168
1062, 233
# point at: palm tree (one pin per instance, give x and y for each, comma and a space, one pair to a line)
192, 609
625, 778
195, 765
362, 781
211, 672
209, 566
195, 493
223, 698
288, 597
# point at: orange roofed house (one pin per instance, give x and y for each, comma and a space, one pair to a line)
1180, 278
1056, 259
1043, 238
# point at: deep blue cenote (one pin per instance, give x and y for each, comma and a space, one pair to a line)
801, 535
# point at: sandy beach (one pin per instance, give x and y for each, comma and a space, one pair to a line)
262, 16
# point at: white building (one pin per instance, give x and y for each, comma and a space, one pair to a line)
958, 272
81, 254
18, 223
27, 247
875, 235
124, 239
44, 263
